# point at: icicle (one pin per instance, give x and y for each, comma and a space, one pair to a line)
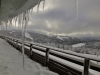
76, 6
4, 26
43, 4
31, 11
16, 21
10, 21
21, 20
24, 26
5, 23
28, 14
1, 26
23, 41
38, 6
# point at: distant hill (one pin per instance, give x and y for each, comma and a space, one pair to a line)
42, 38
54, 39
87, 46
89, 39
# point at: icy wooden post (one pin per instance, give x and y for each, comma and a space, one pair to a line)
13, 42
30, 50
86, 66
17, 44
47, 57
10, 40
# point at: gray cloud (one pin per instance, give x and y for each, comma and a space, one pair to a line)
59, 17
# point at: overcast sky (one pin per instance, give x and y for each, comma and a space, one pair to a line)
59, 17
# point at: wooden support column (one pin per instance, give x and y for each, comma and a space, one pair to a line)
47, 57
31, 50
86, 66
17, 44
13, 42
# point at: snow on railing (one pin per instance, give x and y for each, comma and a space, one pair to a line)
66, 55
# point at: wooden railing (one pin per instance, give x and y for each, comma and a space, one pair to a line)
57, 59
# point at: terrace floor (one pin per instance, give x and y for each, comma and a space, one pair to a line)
11, 62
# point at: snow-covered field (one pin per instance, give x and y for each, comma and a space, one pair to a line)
11, 63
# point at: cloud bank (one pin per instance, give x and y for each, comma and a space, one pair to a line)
59, 17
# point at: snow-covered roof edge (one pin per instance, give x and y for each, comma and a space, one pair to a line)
11, 9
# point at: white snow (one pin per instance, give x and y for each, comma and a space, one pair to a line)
63, 37
11, 62
78, 45
11, 31
27, 35
59, 38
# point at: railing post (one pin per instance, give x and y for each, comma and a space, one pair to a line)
17, 44
13, 42
47, 57
86, 66
10, 40
31, 50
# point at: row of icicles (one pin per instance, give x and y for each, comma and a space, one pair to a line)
21, 21
18, 21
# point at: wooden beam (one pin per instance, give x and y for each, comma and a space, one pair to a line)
47, 57
86, 66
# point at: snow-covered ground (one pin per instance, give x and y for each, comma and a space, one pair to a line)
27, 35
78, 45
11, 63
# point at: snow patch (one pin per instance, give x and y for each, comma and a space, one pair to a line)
11, 31
78, 45
64, 37
27, 35
59, 37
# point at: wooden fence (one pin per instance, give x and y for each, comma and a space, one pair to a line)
57, 59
